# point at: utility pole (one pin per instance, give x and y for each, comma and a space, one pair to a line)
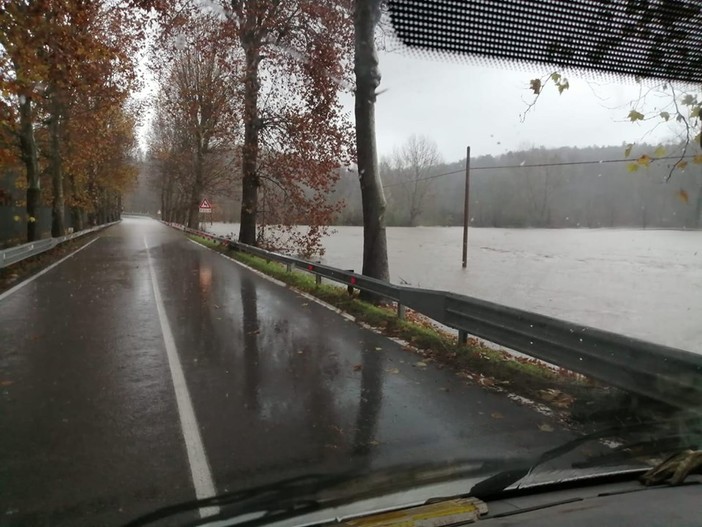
466, 212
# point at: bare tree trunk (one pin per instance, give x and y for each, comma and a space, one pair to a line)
249, 184
697, 224
375, 253
164, 210
58, 227
415, 207
76, 212
194, 209
196, 195
29, 154
167, 208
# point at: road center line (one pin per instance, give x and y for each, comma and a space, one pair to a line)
34, 277
197, 459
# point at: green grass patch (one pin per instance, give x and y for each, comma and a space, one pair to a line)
486, 365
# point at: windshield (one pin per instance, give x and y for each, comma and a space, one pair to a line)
260, 250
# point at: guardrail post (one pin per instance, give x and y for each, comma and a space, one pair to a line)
349, 288
289, 267
462, 336
400, 311
318, 279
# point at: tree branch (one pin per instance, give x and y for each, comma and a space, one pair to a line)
544, 82
682, 118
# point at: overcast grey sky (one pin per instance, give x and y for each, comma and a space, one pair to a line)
459, 104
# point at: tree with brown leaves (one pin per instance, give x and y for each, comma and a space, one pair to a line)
198, 101
67, 65
295, 133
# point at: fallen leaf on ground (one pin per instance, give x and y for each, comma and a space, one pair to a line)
378, 349
420, 364
392, 370
556, 397
545, 428
486, 381
357, 367
497, 415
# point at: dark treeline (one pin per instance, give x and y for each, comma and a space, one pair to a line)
160, 192
581, 195
584, 195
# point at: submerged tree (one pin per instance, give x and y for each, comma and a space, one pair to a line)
411, 165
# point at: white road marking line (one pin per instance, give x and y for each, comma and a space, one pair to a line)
43, 271
197, 459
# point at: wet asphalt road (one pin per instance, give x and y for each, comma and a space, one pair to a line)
91, 428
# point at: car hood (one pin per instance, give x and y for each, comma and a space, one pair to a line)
420, 494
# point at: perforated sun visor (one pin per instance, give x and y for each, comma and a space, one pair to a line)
631, 38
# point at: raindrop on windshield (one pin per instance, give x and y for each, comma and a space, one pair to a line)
180, 41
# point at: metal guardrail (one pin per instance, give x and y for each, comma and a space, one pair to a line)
662, 373
21, 252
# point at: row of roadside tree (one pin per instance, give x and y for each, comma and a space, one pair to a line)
67, 69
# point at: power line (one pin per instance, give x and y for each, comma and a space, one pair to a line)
462, 171
536, 165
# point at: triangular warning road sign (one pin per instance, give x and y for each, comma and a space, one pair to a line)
204, 204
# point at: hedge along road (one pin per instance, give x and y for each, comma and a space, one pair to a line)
146, 370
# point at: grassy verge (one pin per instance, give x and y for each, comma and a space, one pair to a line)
558, 390
15, 273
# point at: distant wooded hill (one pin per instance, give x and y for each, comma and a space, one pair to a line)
585, 194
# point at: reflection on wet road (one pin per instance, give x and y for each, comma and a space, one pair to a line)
279, 386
